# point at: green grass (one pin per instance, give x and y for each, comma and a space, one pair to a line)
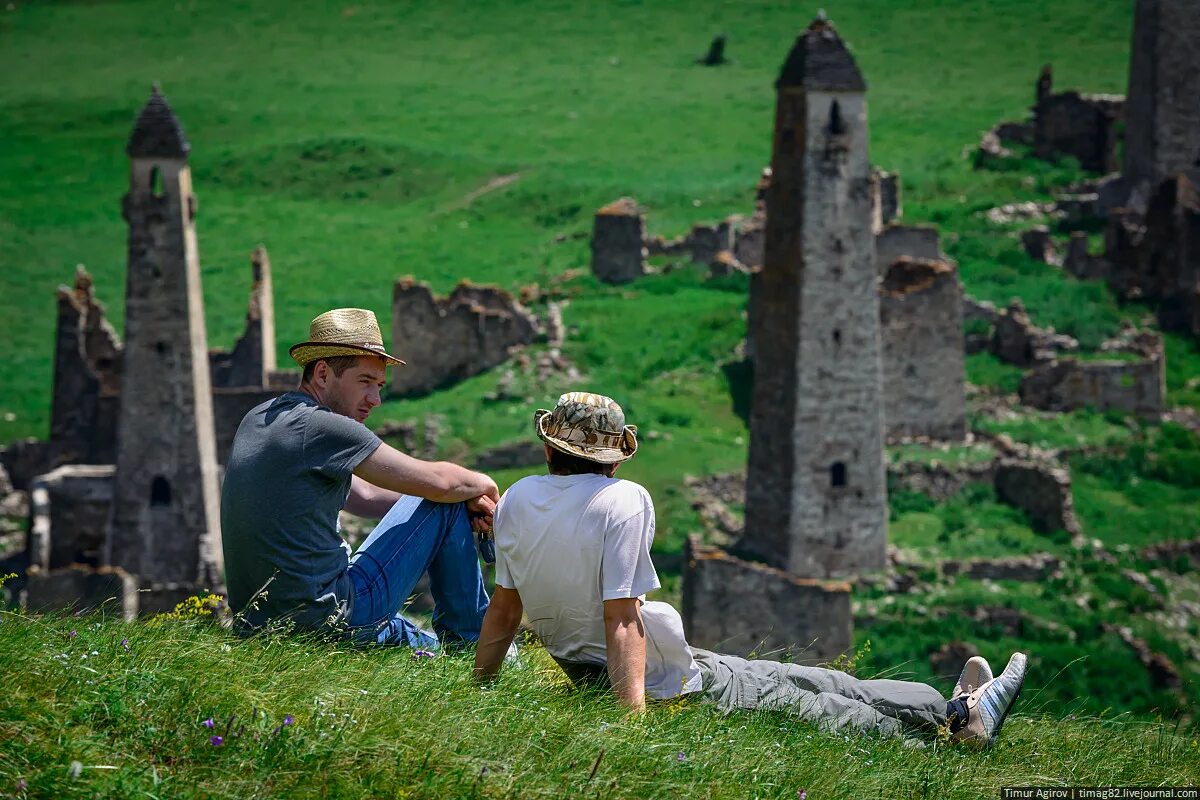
383, 724
1072, 430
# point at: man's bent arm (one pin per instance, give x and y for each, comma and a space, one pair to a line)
625, 638
499, 626
369, 501
439, 481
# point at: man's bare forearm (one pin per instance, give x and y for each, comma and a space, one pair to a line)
626, 643
499, 626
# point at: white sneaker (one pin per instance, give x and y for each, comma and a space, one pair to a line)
975, 673
988, 706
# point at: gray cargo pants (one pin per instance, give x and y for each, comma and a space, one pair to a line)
829, 699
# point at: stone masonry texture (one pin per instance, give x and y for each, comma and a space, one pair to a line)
920, 317
1162, 134
618, 250
165, 523
740, 607
445, 340
816, 501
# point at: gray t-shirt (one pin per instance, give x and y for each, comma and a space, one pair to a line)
288, 476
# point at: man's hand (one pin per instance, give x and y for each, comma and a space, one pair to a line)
481, 510
439, 481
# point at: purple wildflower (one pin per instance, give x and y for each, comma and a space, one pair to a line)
417, 654
72, 634
125, 644
289, 720
217, 741
208, 723
681, 756
21, 785
802, 794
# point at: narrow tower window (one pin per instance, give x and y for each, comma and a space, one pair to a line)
160, 492
156, 184
837, 474
837, 125
837, 336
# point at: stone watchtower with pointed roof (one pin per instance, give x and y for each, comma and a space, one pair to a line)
816, 501
165, 521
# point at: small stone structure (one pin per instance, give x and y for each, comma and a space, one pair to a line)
1084, 126
914, 241
1018, 341
79, 588
1039, 246
71, 509
1136, 387
618, 252
738, 606
816, 502
1024, 569
1081, 125
445, 340
920, 318
1042, 490
1081, 263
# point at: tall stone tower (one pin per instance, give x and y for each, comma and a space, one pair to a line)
816, 498
1162, 112
165, 522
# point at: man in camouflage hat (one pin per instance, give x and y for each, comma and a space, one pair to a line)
573, 555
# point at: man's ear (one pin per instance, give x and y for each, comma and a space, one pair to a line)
320, 373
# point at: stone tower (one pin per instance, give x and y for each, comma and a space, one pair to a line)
816, 500
165, 522
1162, 129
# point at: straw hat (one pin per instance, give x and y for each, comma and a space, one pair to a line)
587, 425
342, 332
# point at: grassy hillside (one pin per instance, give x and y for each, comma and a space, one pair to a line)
363, 141
127, 704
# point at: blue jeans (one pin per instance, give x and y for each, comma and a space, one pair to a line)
418, 536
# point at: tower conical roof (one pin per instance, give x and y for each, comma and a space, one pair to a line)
820, 61
157, 132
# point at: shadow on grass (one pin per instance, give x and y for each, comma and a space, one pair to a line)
740, 375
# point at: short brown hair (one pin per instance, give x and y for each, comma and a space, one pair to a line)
338, 364
560, 463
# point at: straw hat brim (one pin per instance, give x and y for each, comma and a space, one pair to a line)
305, 353
601, 455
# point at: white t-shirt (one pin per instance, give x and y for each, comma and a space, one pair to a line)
567, 543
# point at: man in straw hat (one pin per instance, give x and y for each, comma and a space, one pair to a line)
301, 458
573, 554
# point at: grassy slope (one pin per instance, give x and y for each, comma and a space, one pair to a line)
350, 139
364, 727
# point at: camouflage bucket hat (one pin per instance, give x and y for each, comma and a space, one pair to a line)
587, 425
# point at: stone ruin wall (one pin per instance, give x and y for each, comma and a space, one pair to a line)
444, 340
1137, 387
618, 249
920, 312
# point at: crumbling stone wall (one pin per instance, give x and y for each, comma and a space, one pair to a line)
87, 357
920, 313
445, 340
1136, 387
252, 359
1042, 490
1018, 341
618, 253
1081, 125
740, 607
71, 507
885, 198
914, 241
